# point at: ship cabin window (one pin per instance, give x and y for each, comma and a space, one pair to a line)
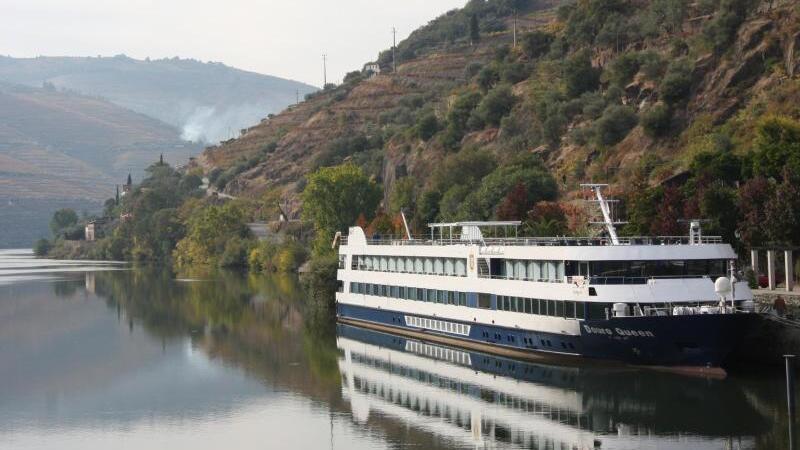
528, 270
342, 261
637, 272
430, 266
555, 308
484, 301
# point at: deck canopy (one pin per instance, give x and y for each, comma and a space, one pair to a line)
471, 231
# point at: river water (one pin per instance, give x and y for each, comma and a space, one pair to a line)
99, 356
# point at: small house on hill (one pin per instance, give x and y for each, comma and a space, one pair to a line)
93, 230
371, 69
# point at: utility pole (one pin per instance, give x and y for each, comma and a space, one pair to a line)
394, 49
296, 96
515, 29
324, 70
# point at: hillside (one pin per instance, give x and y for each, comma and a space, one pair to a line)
206, 101
650, 96
62, 149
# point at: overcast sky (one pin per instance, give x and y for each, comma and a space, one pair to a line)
285, 38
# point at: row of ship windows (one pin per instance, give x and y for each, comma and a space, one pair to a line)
434, 266
410, 293
530, 270
555, 308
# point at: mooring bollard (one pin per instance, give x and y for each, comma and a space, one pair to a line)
790, 396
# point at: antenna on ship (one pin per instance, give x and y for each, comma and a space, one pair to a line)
695, 230
605, 208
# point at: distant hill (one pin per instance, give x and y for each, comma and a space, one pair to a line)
62, 149
208, 102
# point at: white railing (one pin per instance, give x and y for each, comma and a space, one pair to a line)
544, 241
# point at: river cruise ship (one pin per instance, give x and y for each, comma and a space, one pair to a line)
660, 301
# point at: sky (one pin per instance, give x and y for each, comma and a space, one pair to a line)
285, 38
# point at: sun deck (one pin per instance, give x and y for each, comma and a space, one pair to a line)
562, 241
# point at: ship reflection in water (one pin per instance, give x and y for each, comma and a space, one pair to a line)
477, 400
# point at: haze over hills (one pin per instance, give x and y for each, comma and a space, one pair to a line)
62, 149
208, 102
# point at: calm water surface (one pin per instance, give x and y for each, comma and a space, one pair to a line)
98, 356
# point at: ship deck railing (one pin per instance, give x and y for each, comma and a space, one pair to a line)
543, 241
596, 280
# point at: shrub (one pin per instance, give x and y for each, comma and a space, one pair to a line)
488, 77
614, 125
677, 83
472, 69
579, 74
622, 69
514, 73
427, 126
236, 252
656, 121
42, 247
536, 43
289, 257
497, 103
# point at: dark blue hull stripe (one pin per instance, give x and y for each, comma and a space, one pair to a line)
701, 340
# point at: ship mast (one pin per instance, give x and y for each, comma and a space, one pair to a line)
605, 208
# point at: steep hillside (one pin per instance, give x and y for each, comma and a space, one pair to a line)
206, 101
62, 149
667, 100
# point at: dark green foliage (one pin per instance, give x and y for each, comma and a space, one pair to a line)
458, 116
677, 82
526, 169
722, 29
64, 220
341, 148
472, 69
514, 72
586, 19
427, 126
497, 103
622, 69
353, 77
334, 197
657, 120
42, 247
488, 77
777, 147
536, 43
614, 125
664, 16
235, 253
579, 75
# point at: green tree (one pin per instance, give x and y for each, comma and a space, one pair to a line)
335, 196
62, 221
579, 75
42, 247
615, 123
656, 121
496, 104
777, 146
427, 126
403, 194
677, 83
208, 231
536, 43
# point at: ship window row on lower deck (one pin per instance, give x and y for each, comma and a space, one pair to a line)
410, 293
421, 265
555, 308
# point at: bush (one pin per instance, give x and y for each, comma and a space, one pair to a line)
290, 257
579, 74
472, 69
622, 69
63, 220
488, 77
497, 103
656, 121
677, 83
42, 247
514, 73
614, 125
427, 126
236, 252
536, 43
